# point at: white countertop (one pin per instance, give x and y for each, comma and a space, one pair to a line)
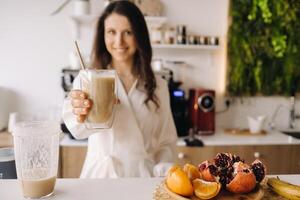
95, 189
91, 189
220, 139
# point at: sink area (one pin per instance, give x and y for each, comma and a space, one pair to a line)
293, 133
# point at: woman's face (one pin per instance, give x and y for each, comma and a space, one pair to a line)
119, 39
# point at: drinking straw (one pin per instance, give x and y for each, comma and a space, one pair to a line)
79, 54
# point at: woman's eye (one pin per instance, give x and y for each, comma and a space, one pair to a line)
128, 33
111, 32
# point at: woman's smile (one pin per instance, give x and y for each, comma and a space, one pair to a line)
120, 50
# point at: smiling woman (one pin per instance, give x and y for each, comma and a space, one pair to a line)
142, 140
123, 28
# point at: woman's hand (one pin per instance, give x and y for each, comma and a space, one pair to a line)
81, 104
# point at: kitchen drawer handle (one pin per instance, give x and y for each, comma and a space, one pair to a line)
257, 154
181, 155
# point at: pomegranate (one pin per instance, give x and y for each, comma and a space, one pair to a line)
259, 170
232, 172
208, 171
223, 160
243, 180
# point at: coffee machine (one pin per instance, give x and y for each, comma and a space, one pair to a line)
202, 111
177, 101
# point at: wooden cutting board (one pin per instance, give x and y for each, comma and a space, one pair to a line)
262, 192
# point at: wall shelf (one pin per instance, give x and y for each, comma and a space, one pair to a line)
185, 46
152, 22
90, 20
85, 19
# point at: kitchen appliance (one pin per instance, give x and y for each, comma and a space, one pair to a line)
178, 107
177, 101
7, 164
201, 113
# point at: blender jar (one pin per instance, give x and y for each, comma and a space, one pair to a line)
36, 145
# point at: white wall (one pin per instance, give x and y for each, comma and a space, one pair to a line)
34, 47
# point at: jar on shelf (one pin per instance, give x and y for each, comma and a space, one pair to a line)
156, 36
192, 39
169, 36
212, 40
202, 40
181, 34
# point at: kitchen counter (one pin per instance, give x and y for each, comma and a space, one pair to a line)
91, 189
220, 139
95, 189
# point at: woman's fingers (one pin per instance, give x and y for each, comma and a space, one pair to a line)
80, 111
81, 104
78, 94
78, 103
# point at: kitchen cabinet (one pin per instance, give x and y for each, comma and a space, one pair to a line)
71, 161
279, 159
6, 139
295, 155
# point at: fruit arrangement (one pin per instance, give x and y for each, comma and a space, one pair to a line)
225, 171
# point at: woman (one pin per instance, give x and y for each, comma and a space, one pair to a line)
141, 142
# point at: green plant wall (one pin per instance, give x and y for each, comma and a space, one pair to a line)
264, 47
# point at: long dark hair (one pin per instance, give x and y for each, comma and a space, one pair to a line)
101, 58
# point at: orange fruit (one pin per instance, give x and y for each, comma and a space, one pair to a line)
191, 171
206, 190
178, 182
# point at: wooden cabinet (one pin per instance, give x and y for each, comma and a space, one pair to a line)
6, 139
71, 161
279, 159
295, 153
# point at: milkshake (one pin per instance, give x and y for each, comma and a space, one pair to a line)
38, 187
100, 85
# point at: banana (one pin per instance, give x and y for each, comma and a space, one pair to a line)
285, 189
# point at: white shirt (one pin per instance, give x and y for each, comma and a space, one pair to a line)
141, 142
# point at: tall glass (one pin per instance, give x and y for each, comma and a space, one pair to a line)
100, 85
36, 146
